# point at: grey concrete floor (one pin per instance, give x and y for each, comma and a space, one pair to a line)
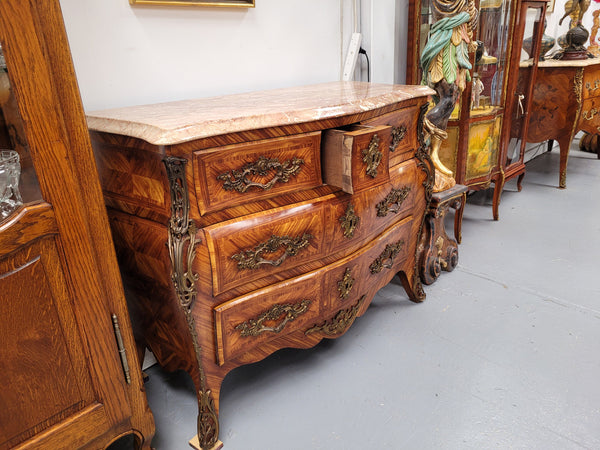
504, 353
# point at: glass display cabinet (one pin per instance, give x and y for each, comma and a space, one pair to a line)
483, 146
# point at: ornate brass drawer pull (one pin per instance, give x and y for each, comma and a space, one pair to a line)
372, 156
237, 180
338, 324
386, 259
592, 113
589, 87
349, 221
345, 284
254, 327
398, 134
252, 259
392, 202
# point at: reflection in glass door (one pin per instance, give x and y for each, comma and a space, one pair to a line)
491, 57
18, 181
521, 95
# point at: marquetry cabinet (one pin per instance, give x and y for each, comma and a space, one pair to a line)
484, 143
566, 100
249, 223
70, 377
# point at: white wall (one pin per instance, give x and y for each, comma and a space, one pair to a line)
127, 55
381, 39
382, 24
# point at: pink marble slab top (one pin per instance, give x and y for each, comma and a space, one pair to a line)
563, 63
187, 120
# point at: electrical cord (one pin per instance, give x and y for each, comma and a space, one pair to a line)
362, 51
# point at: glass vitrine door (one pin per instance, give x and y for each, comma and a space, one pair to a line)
487, 93
484, 142
531, 24
18, 181
490, 60
490, 57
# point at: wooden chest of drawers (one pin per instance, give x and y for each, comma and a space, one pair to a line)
283, 212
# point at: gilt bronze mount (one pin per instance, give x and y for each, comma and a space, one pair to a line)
349, 221
289, 311
392, 202
339, 323
345, 284
253, 259
372, 156
242, 179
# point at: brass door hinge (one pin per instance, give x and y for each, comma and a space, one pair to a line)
121, 347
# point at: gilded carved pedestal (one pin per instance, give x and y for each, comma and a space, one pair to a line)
440, 252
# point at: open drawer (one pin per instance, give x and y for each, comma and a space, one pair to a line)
357, 157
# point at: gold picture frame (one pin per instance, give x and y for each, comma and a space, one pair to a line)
226, 3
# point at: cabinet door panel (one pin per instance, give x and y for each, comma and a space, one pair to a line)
41, 346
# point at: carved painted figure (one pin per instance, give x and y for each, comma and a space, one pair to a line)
445, 64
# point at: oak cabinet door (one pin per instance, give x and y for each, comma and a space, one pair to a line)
47, 376
69, 377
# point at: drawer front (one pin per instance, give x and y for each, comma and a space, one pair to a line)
589, 119
365, 271
323, 303
243, 173
285, 241
252, 320
356, 158
404, 132
591, 82
248, 249
396, 199
362, 216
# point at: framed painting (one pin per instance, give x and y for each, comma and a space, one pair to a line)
227, 3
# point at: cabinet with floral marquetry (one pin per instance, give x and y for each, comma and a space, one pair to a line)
566, 100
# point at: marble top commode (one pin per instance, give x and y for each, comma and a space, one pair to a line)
181, 121
249, 223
